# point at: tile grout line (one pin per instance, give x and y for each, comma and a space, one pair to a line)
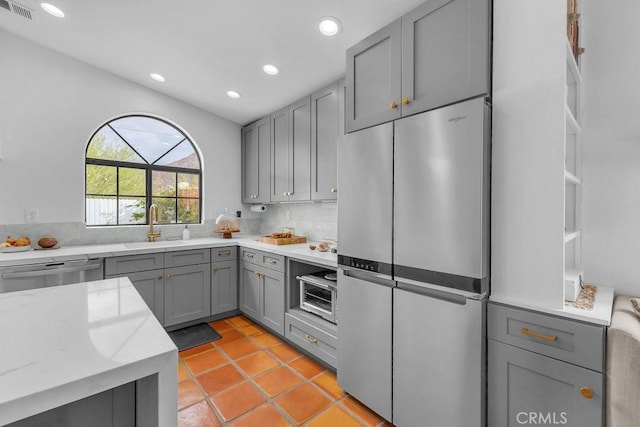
270, 401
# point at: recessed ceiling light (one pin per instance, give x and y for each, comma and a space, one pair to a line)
329, 26
53, 10
233, 94
157, 77
270, 69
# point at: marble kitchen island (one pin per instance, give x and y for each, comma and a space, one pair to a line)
63, 344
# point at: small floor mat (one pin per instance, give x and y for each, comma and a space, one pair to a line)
193, 336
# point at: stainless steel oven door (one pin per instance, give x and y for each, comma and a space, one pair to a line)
319, 297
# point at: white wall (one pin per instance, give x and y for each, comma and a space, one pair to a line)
611, 144
50, 105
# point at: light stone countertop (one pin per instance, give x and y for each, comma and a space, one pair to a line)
105, 337
599, 315
298, 251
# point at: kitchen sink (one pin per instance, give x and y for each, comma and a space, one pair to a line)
160, 244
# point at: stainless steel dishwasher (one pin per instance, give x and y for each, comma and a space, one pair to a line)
33, 276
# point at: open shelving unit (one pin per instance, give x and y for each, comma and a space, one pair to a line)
572, 176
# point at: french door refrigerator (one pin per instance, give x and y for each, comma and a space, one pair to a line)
429, 316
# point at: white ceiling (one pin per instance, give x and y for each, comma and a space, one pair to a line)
206, 47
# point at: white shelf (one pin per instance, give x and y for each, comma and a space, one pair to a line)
571, 235
572, 65
572, 124
571, 178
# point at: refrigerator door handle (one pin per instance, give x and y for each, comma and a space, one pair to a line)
434, 293
377, 278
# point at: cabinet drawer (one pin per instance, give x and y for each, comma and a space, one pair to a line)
189, 257
563, 339
313, 339
227, 253
132, 263
250, 255
272, 261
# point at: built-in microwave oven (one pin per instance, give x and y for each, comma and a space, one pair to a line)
319, 294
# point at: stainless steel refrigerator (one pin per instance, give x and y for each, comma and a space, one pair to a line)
413, 227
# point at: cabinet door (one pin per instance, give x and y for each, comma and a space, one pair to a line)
528, 388
187, 294
373, 78
445, 53
224, 286
300, 150
263, 130
249, 288
150, 286
324, 140
272, 299
250, 164
280, 156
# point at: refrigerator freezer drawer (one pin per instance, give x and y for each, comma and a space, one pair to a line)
438, 361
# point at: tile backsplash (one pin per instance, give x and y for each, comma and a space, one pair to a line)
313, 220
316, 221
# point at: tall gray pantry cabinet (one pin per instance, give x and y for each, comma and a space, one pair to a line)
435, 55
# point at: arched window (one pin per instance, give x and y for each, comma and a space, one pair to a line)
134, 161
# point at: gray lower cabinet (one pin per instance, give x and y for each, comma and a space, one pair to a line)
224, 279
543, 369
224, 286
261, 288
320, 342
146, 274
437, 54
175, 285
272, 299
187, 294
256, 146
115, 407
150, 286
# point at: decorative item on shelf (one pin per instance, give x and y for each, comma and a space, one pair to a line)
227, 223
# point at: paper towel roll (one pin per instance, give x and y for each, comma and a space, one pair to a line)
258, 208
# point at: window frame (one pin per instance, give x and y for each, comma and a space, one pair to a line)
149, 168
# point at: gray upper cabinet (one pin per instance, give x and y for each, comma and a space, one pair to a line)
300, 150
435, 55
445, 53
373, 78
291, 152
325, 131
256, 146
280, 155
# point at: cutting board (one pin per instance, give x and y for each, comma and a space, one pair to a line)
282, 240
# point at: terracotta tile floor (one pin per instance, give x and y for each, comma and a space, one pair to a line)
250, 377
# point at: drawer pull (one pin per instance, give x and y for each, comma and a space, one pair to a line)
551, 338
311, 339
405, 101
215, 270
271, 261
169, 275
224, 253
248, 255
160, 277
256, 273
586, 392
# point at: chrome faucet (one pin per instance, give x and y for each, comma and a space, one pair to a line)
153, 216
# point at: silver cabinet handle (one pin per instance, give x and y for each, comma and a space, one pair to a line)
224, 253
334, 190
248, 254
271, 261
311, 339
